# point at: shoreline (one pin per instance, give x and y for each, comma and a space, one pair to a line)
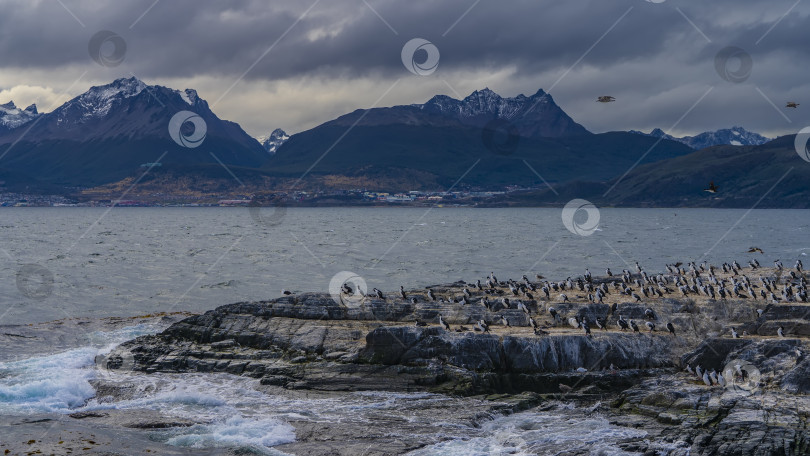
310, 345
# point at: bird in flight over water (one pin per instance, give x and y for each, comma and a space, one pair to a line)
605, 99
712, 188
792, 104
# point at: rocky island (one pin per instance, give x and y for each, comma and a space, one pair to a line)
709, 359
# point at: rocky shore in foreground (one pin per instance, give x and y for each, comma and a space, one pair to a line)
755, 402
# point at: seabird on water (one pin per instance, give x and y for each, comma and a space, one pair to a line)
286, 292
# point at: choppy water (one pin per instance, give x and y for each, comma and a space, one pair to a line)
137, 261
131, 261
237, 414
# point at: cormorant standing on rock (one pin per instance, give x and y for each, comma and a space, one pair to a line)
402, 292
734, 334
586, 328
781, 331
622, 323
431, 295
634, 326
379, 294
504, 321
671, 328
482, 326
650, 325
443, 323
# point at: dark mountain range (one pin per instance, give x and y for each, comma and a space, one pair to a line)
100, 140
439, 140
105, 133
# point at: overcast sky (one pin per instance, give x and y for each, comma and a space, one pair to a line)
295, 64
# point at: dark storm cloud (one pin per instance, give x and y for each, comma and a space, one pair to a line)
653, 52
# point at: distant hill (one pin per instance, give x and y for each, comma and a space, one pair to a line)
743, 175
105, 133
734, 136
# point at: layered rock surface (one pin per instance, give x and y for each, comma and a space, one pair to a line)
314, 342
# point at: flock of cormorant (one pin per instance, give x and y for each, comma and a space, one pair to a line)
533, 299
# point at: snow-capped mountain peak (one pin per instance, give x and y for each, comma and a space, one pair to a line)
272, 142
12, 117
99, 100
735, 136
189, 96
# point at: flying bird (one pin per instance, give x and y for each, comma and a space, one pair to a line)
605, 99
712, 188
792, 104
755, 249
